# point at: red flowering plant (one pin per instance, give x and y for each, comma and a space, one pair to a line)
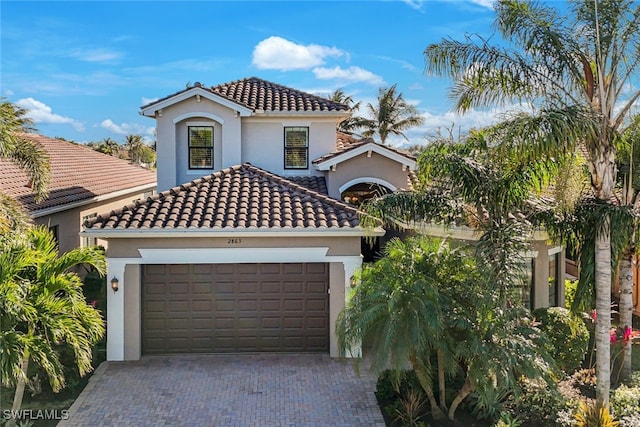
624, 335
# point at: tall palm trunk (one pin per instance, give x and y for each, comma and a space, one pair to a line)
603, 178
19, 394
441, 380
466, 389
603, 310
626, 309
423, 379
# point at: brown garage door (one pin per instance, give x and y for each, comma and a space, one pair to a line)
228, 308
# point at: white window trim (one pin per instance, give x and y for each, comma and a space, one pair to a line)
291, 171
198, 171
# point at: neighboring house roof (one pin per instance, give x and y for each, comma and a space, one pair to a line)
256, 95
348, 147
239, 198
79, 176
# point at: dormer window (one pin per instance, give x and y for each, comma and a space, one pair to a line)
200, 147
296, 147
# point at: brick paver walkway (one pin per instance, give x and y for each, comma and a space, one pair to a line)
228, 390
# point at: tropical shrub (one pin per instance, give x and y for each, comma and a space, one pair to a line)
594, 415
568, 336
625, 401
508, 420
399, 311
43, 311
394, 383
570, 287
537, 404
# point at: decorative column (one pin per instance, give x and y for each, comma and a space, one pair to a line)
351, 266
115, 310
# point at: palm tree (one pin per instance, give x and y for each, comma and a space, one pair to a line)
391, 116
629, 159
29, 156
42, 307
577, 73
469, 183
396, 312
109, 146
135, 147
348, 125
424, 299
14, 220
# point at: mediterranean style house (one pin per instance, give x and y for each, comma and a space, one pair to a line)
83, 184
253, 240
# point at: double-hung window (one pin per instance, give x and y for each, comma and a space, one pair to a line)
296, 147
200, 147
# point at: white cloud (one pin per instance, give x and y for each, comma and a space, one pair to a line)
126, 128
147, 101
484, 3
276, 53
42, 113
8, 92
416, 4
95, 55
351, 74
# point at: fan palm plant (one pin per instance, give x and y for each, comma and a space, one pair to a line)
27, 155
392, 115
577, 75
42, 307
395, 312
424, 299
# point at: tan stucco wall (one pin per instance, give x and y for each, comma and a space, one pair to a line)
263, 142
171, 140
361, 166
542, 273
336, 303
69, 222
128, 248
132, 312
258, 140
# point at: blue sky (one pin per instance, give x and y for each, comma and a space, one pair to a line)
84, 68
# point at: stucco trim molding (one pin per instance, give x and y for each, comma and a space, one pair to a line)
228, 232
366, 149
150, 110
367, 180
193, 114
231, 255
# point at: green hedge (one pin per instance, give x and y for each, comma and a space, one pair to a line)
568, 336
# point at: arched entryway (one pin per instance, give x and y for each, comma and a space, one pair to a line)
357, 192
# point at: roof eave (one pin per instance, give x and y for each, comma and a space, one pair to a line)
151, 109
231, 232
327, 164
38, 213
271, 113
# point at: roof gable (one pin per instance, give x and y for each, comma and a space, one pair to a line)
254, 95
79, 175
238, 198
347, 148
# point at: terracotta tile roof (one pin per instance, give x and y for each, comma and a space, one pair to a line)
257, 94
241, 197
77, 174
313, 183
346, 143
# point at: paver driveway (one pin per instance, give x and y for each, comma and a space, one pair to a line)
228, 390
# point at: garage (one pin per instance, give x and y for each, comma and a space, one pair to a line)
235, 308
